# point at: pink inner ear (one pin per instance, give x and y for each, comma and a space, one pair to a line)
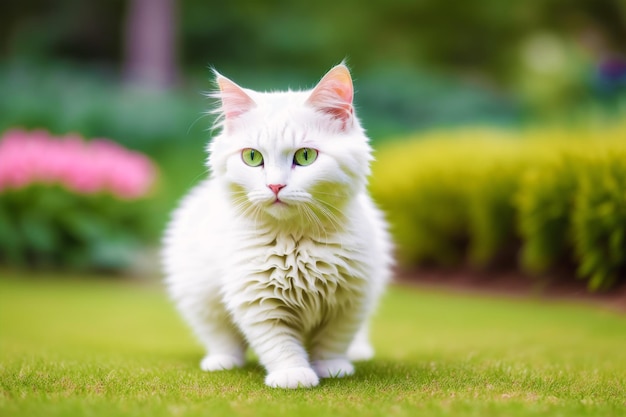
334, 93
235, 101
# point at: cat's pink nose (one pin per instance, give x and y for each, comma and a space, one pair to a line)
276, 187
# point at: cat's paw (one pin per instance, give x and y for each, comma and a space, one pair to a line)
333, 368
212, 363
292, 378
360, 352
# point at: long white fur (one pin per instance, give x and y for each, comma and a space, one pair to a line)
296, 281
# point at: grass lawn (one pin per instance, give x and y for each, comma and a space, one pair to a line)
97, 347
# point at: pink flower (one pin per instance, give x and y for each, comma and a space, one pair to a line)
84, 167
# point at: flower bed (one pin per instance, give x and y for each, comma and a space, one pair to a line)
67, 202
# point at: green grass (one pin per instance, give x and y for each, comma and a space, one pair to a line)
97, 347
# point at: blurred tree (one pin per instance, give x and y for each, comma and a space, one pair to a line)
481, 39
61, 30
150, 57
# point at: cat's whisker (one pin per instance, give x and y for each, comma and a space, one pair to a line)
315, 220
303, 201
245, 209
310, 214
303, 212
257, 214
329, 214
241, 203
326, 203
335, 195
332, 218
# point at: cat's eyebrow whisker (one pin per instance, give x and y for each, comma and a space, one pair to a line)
200, 117
200, 176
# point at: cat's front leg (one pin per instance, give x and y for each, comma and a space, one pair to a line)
281, 351
329, 348
212, 324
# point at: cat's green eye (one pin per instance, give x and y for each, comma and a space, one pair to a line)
252, 157
305, 156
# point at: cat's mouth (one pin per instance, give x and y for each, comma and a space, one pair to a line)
280, 210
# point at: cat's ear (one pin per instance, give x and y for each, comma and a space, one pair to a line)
333, 94
235, 101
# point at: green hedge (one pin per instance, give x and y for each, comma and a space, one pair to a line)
51, 227
540, 199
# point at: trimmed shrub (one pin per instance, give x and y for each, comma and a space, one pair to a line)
545, 203
449, 199
492, 215
599, 219
425, 202
484, 197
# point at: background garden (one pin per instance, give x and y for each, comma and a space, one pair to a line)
499, 132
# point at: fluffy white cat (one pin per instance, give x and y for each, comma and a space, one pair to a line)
281, 248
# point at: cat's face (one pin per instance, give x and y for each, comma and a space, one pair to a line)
291, 155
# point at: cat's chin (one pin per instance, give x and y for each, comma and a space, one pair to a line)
281, 211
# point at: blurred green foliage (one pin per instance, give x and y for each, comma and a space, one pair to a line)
545, 219
495, 62
66, 98
63, 99
479, 36
481, 196
47, 226
546, 51
599, 218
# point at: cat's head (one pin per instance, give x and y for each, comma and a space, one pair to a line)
293, 154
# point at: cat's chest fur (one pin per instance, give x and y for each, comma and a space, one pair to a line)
302, 264
312, 279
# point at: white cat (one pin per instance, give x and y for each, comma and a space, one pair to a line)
282, 249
